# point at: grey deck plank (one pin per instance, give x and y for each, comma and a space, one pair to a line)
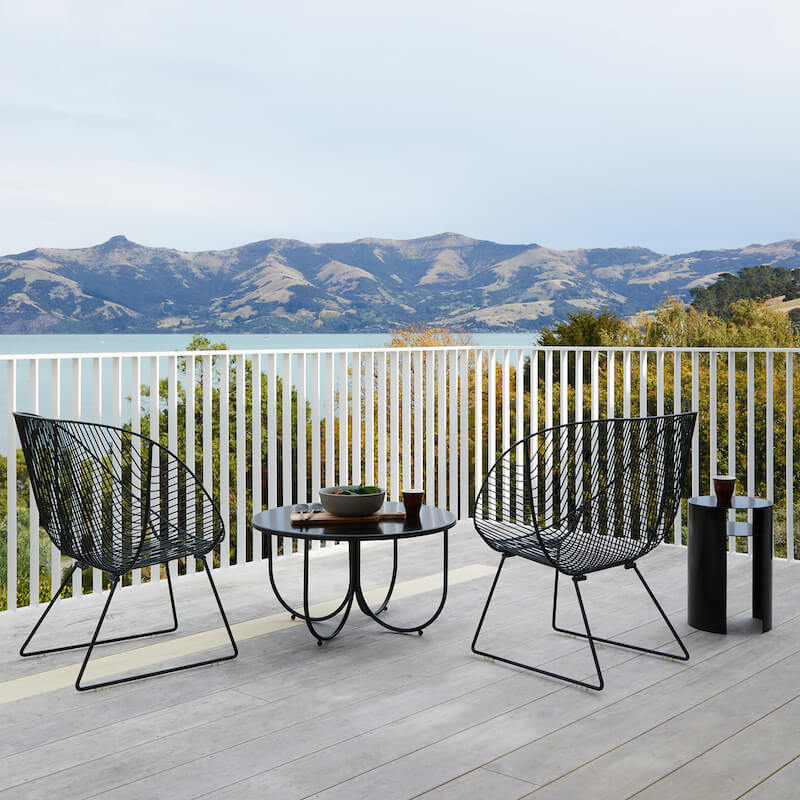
589, 738
375, 714
780, 785
737, 764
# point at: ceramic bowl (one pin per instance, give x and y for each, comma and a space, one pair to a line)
350, 505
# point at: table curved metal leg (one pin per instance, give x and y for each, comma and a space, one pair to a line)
364, 606
293, 611
347, 604
385, 604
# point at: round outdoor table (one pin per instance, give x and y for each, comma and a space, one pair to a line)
277, 521
708, 563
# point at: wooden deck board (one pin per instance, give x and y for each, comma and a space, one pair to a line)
377, 715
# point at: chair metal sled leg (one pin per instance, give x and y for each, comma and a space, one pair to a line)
153, 673
600, 682
684, 656
81, 645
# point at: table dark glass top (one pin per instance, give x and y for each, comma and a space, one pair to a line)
278, 521
738, 502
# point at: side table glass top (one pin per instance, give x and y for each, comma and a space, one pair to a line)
738, 502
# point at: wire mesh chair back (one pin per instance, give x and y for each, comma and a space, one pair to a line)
587, 495
114, 499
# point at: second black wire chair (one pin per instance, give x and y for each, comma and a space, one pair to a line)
117, 501
585, 497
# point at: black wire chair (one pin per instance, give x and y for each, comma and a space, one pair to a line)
117, 501
585, 497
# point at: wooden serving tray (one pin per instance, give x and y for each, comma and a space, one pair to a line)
324, 518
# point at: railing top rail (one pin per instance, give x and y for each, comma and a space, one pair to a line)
442, 348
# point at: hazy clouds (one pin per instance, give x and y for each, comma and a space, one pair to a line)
206, 125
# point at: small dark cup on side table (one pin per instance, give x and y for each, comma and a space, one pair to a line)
724, 487
412, 500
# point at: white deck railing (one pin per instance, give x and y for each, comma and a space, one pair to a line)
432, 417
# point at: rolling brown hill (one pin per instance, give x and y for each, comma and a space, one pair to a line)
283, 285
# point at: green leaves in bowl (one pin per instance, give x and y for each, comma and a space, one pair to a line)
359, 490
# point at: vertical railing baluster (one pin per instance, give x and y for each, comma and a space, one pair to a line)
405, 475
287, 458
55, 410
283, 546
463, 425
491, 420
441, 439
563, 371
534, 391
315, 389
626, 383
430, 427
241, 459
394, 426
549, 444
452, 429
677, 391
419, 433
696, 434
224, 458
770, 433
33, 520
534, 423
643, 383
344, 455
382, 473
731, 412
208, 432
519, 429
11, 485
189, 429
302, 467
154, 433
790, 455
712, 419
136, 428
369, 419
355, 418
97, 416
172, 436
751, 438
478, 423
76, 376
611, 389
659, 383
330, 417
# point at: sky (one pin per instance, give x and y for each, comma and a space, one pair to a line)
573, 123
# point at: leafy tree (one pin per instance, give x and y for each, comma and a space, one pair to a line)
751, 283
584, 329
429, 336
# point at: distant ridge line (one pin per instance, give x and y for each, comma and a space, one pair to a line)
367, 285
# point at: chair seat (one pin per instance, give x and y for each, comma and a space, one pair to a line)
568, 547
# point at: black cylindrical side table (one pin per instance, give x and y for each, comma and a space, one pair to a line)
708, 565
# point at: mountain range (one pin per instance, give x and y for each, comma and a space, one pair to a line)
285, 285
